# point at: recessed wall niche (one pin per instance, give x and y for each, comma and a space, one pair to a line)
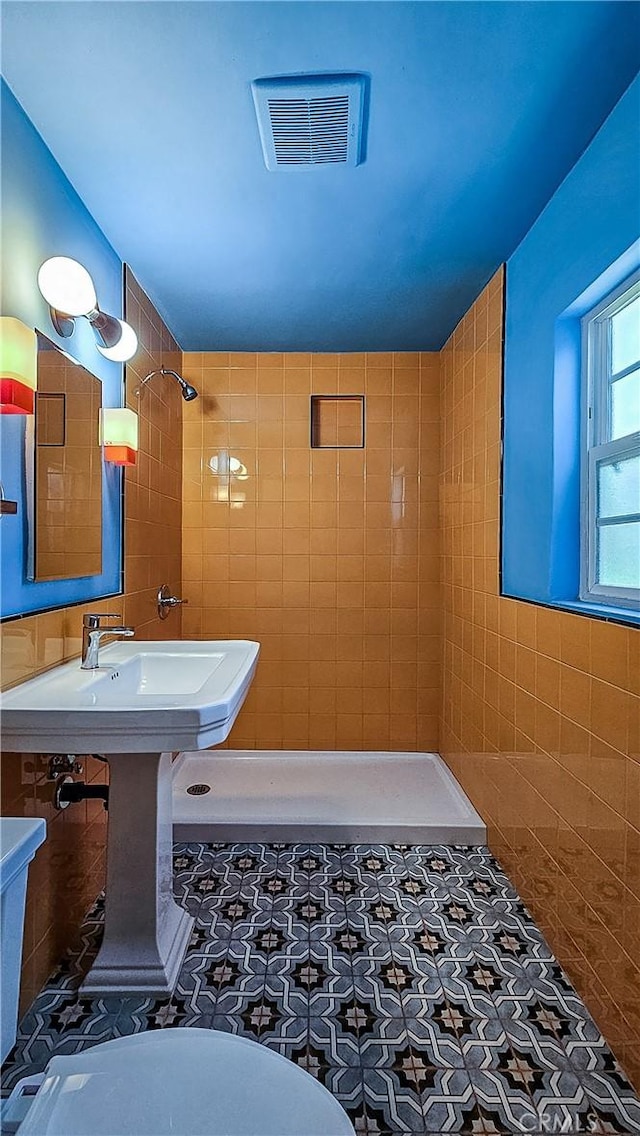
337, 421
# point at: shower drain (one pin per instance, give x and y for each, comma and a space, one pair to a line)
198, 790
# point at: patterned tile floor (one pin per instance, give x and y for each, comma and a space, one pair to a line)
411, 980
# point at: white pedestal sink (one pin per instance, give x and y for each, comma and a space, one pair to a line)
145, 701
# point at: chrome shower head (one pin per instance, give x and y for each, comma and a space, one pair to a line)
188, 392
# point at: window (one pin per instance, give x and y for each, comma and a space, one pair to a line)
610, 520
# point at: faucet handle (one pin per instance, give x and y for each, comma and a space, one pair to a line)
166, 601
92, 619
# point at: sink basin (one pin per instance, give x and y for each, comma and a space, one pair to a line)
144, 696
156, 674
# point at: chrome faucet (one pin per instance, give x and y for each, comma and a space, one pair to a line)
92, 635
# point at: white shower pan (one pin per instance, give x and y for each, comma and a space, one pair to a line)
348, 797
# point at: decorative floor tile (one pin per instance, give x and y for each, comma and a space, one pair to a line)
426, 942
310, 986
384, 1044
433, 1046
612, 1102
160, 1013
355, 945
236, 1024
379, 984
394, 1094
468, 986
446, 1097
346, 1084
558, 1097
337, 1038
512, 1107
550, 985
411, 981
290, 1038
588, 1052
69, 973
231, 969
35, 1048
544, 1051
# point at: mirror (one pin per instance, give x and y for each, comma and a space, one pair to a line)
65, 457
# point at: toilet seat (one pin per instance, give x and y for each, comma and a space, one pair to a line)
182, 1082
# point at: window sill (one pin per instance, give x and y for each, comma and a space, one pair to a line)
600, 610
609, 612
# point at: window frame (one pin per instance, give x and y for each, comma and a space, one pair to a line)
596, 445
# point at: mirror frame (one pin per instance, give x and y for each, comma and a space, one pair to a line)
22, 595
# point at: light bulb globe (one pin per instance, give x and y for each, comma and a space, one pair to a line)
67, 286
125, 348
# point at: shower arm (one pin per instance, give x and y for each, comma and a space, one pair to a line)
161, 371
188, 392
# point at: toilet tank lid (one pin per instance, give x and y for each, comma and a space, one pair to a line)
201, 1081
20, 837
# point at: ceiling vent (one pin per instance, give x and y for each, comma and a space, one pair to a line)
310, 120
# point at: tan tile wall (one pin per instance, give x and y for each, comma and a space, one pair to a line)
540, 717
153, 529
328, 557
68, 870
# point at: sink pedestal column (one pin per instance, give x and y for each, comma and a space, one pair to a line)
146, 933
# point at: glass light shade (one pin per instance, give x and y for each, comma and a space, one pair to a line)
67, 286
19, 366
119, 435
125, 348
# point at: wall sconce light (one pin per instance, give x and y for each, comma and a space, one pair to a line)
19, 363
119, 435
126, 346
69, 291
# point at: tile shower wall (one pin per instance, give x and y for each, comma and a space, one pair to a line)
539, 716
68, 870
329, 557
153, 528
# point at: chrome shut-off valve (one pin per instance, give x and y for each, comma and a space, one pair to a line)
166, 601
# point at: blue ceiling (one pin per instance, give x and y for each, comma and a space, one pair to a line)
477, 112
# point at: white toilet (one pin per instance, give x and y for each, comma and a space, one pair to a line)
182, 1082
20, 838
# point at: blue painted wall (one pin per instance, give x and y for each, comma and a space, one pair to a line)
477, 112
583, 244
43, 216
